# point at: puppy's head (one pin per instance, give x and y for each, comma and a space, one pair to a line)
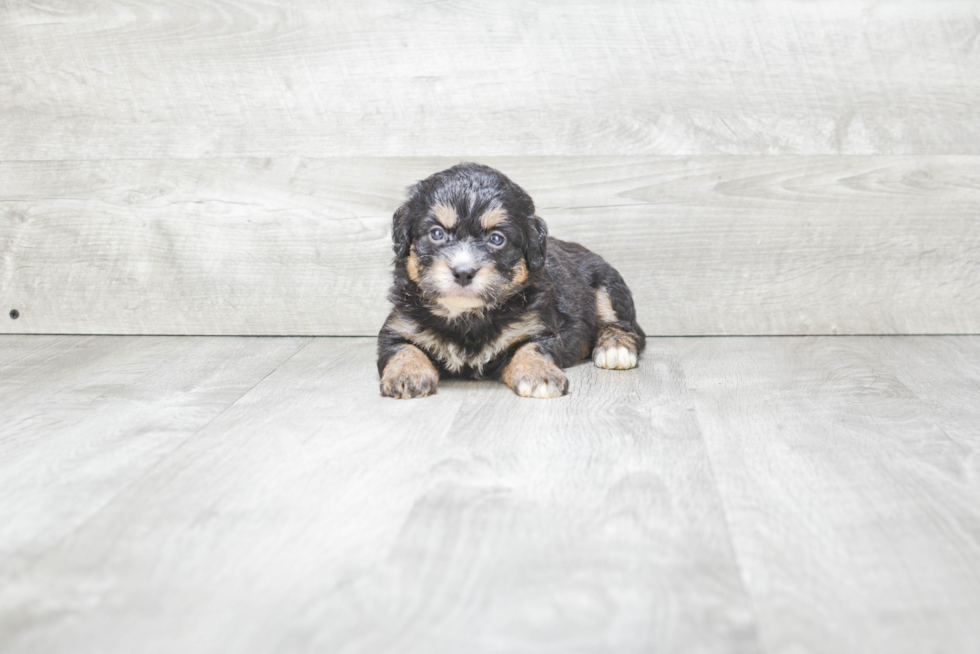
468, 237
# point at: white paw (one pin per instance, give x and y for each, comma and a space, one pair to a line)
616, 357
541, 389
532, 374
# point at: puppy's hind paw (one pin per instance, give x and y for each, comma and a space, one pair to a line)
614, 357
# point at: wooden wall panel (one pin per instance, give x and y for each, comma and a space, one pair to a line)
160, 79
710, 245
230, 167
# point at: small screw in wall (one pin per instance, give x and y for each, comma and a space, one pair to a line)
15, 314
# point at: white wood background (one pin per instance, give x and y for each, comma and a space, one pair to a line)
231, 168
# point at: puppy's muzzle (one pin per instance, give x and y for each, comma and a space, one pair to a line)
463, 274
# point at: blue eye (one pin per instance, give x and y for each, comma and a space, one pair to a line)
496, 239
437, 234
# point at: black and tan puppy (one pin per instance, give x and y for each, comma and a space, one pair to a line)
482, 291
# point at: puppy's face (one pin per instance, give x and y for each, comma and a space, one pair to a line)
469, 238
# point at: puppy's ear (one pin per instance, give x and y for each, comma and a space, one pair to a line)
401, 232
535, 243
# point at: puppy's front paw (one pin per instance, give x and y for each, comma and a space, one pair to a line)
553, 383
409, 374
614, 357
531, 374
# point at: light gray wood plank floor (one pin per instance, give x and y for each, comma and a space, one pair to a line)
215, 494
82, 418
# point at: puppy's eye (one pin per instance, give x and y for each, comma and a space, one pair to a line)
496, 239
437, 234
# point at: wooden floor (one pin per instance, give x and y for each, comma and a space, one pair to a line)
231, 494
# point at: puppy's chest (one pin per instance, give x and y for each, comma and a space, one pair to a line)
463, 358
471, 355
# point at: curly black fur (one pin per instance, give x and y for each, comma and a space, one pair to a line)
536, 280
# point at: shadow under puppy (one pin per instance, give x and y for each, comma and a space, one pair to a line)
481, 291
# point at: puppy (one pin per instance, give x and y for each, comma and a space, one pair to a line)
481, 291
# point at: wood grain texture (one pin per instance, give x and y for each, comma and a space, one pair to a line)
849, 473
586, 523
730, 495
136, 79
84, 418
709, 245
313, 515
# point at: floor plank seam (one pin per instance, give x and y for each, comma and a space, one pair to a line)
760, 639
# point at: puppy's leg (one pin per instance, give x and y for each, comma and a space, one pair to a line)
409, 373
531, 373
619, 340
614, 349
405, 370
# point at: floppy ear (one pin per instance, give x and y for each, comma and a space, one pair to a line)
536, 243
401, 232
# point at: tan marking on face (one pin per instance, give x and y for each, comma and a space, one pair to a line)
450, 300
604, 307
493, 217
446, 215
532, 374
412, 265
408, 374
521, 275
439, 278
441, 267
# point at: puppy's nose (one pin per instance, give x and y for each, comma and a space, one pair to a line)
464, 275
